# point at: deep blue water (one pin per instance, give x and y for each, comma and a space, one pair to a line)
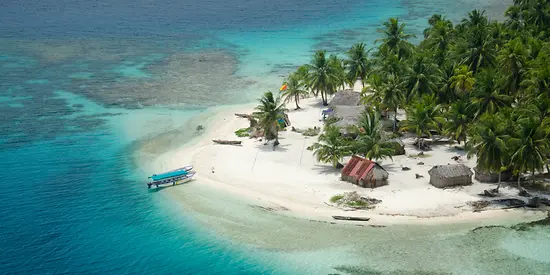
73, 72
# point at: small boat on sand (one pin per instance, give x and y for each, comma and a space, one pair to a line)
173, 177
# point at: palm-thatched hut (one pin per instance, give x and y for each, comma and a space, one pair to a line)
442, 176
345, 98
491, 177
364, 172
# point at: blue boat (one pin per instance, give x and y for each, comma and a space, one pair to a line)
172, 177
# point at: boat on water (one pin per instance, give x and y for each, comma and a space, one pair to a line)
173, 177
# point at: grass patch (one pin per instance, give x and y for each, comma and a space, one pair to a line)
244, 132
336, 198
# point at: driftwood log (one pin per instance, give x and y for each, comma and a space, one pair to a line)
348, 218
227, 142
244, 116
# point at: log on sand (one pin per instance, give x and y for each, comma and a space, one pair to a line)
244, 115
349, 218
227, 142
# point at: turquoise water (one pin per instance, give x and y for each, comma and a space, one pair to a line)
82, 84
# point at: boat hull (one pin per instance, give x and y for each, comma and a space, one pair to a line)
172, 181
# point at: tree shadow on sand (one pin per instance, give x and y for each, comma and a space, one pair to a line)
326, 169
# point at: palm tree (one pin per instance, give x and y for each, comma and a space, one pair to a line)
537, 80
475, 19
389, 94
530, 146
422, 77
487, 96
395, 39
479, 51
512, 59
357, 64
458, 121
331, 146
370, 141
488, 143
294, 89
439, 38
322, 75
423, 116
268, 112
462, 82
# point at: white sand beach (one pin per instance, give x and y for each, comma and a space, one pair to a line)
289, 180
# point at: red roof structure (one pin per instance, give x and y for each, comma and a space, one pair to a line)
364, 172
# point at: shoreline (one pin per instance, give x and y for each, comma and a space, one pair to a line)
221, 168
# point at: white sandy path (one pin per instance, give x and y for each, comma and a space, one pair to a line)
289, 178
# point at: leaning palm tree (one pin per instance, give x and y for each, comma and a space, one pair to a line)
294, 89
331, 146
370, 141
423, 116
268, 112
357, 64
488, 143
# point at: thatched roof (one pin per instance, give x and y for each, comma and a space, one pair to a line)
450, 171
346, 98
347, 115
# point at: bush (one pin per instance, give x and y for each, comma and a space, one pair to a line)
244, 132
336, 198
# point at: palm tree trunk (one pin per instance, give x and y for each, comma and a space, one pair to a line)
519, 178
533, 176
325, 98
395, 120
296, 99
499, 177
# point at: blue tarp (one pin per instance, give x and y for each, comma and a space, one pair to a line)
167, 175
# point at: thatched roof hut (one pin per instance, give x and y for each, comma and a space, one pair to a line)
364, 172
450, 175
345, 98
491, 177
346, 115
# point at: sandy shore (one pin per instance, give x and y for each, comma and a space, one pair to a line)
290, 181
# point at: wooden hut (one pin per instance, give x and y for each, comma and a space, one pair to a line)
364, 172
442, 176
491, 177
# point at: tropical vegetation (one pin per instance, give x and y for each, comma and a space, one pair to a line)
480, 82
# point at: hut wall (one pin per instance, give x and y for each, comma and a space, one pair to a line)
441, 182
491, 177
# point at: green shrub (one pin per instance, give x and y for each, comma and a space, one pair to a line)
336, 198
244, 132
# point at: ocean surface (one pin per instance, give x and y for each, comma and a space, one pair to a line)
84, 82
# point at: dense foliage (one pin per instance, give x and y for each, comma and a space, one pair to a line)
481, 82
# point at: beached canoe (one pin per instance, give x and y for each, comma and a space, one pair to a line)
350, 218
